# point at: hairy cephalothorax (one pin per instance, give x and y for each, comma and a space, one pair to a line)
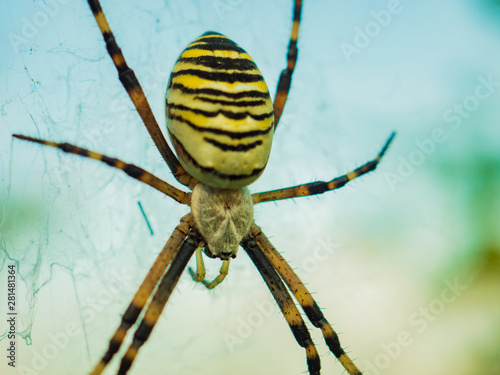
223, 217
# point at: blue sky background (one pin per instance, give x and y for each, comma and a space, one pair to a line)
382, 254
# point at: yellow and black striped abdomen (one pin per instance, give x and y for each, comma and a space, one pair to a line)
219, 113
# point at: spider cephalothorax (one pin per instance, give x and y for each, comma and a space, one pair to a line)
223, 217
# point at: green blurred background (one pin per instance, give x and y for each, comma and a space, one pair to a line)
405, 261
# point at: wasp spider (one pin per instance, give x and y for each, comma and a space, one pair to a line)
221, 121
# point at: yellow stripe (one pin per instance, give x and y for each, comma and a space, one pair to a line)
351, 175
118, 59
295, 30
119, 335
131, 353
311, 351
120, 165
213, 36
215, 53
97, 156
349, 365
137, 96
98, 369
292, 314
102, 22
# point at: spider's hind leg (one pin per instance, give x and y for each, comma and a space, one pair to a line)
306, 301
284, 301
159, 300
143, 294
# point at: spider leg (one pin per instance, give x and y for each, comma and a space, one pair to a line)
286, 74
143, 294
304, 298
285, 302
134, 90
160, 298
319, 187
222, 275
200, 273
130, 169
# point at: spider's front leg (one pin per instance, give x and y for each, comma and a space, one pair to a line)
134, 90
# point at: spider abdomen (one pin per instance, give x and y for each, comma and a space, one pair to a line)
223, 217
219, 113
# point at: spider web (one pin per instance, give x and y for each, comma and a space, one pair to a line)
74, 227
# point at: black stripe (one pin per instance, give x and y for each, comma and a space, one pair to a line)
301, 333
212, 33
292, 51
333, 344
130, 316
218, 77
232, 135
296, 11
318, 320
228, 114
314, 188
314, 314
243, 103
212, 47
213, 172
214, 92
215, 44
95, 6
223, 63
242, 147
